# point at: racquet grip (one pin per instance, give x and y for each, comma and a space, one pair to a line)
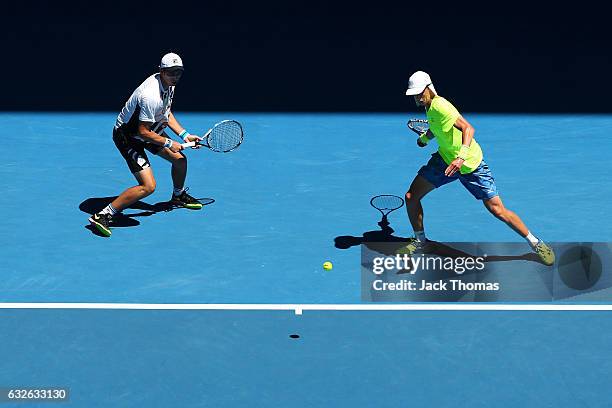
188, 144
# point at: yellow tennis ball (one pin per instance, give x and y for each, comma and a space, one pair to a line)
328, 266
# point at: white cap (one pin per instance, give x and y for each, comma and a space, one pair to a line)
171, 60
418, 82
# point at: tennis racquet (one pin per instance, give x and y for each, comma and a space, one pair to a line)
418, 126
224, 137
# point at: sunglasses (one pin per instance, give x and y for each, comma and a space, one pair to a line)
174, 72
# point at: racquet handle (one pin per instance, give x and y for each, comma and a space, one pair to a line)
188, 144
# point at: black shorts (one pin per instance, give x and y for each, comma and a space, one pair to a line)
133, 150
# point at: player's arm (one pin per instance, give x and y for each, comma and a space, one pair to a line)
467, 134
467, 130
180, 130
425, 138
174, 124
144, 130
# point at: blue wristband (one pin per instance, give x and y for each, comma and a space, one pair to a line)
184, 134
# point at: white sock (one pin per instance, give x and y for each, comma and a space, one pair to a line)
532, 239
178, 191
420, 236
109, 209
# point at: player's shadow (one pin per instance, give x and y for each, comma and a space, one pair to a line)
383, 241
446, 251
372, 239
95, 204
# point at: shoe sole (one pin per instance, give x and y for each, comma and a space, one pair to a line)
189, 206
406, 250
547, 262
101, 228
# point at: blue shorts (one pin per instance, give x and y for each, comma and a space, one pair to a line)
480, 182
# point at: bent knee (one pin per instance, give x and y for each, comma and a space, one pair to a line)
411, 197
498, 211
147, 189
180, 160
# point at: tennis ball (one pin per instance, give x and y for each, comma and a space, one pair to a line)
328, 266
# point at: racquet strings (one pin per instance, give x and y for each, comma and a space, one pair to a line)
225, 136
418, 126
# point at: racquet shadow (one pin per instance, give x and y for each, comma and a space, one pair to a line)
377, 240
121, 220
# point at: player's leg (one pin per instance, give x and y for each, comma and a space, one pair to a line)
482, 186
497, 208
133, 152
418, 189
146, 187
179, 166
430, 176
179, 174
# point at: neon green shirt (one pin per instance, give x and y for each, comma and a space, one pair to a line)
442, 116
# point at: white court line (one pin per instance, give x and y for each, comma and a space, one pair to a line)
299, 308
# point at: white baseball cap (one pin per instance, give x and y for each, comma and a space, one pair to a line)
171, 60
418, 82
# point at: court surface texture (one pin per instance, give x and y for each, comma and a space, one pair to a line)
298, 184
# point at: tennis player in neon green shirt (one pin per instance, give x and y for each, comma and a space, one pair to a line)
459, 157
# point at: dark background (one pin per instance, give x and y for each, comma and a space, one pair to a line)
308, 56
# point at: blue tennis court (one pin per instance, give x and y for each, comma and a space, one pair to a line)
345, 359
295, 185
282, 200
